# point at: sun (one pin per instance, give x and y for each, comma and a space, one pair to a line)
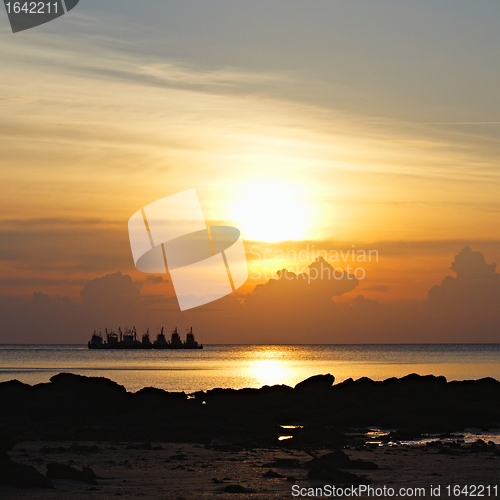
269, 372
271, 212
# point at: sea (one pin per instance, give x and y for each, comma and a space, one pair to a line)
239, 366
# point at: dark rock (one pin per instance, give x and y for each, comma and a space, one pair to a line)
159, 394
6, 444
62, 471
18, 475
89, 472
14, 385
236, 488
414, 378
316, 384
324, 472
80, 383
73, 407
22, 476
272, 474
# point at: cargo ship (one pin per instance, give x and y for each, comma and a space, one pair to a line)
128, 340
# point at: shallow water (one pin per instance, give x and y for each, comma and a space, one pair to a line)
468, 436
239, 366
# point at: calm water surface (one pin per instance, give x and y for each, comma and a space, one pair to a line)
240, 366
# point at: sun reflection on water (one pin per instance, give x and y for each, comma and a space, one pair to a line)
268, 367
243, 366
269, 371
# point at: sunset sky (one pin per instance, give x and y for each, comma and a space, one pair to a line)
326, 124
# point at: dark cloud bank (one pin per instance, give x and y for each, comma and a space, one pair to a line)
290, 309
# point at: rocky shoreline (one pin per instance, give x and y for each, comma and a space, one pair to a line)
74, 407
326, 427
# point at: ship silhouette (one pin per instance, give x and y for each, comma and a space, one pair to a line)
128, 340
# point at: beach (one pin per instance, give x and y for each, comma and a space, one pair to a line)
179, 471
272, 442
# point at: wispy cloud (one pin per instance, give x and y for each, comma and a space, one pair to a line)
17, 99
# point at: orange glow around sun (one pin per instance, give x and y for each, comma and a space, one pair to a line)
272, 212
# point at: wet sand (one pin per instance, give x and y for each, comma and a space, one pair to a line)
187, 471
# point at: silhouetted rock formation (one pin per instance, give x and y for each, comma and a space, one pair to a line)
22, 476
316, 384
18, 475
6, 444
62, 471
76, 408
272, 474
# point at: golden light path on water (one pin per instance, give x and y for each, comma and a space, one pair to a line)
272, 372
240, 366
270, 366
